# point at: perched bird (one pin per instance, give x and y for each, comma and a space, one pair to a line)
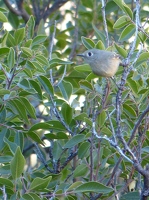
103, 63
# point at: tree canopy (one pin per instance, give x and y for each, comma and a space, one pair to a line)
65, 132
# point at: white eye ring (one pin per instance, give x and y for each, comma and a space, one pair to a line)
89, 54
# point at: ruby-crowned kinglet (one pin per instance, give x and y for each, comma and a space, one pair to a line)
103, 63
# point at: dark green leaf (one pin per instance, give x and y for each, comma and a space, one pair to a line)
4, 51
88, 43
40, 183
17, 164
66, 89
83, 68
83, 148
86, 85
42, 60
80, 170
8, 183
74, 141
3, 18
19, 35
124, 7
122, 21
27, 51
67, 113
128, 32
39, 39
10, 41
11, 58
46, 84
93, 187
129, 110
30, 27
30, 109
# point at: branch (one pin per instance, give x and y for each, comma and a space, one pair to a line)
40, 156
20, 12
137, 124
74, 45
56, 5
104, 21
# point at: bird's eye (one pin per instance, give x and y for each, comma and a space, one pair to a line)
89, 54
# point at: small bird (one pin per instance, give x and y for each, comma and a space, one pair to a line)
103, 63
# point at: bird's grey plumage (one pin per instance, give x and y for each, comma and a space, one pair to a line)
103, 63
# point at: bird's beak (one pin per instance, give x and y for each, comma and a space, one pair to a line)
81, 55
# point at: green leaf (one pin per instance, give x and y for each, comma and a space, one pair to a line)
100, 45
17, 164
101, 118
13, 20
3, 18
67, 113
86, 85
145, 149
34, 137
30, 27
10, 41
74, 185
58, 61
81, 170
41, 125
99, 34
46, 84
66, 89
12, 146
19, 35
30, 109
129, 110
27, 51
59, 135
83, 68
127, 32
124, 7
53, 124
20, 108
39, 39
106, 131
40, 183
122, 21
133, 85
31, 196
36, 86
4, 51
93, 187
11, 58
5, 181
36, 65
74, 141
131, 196
83, 148
42, 60
88, 43
3, 92
121, 51
142, 58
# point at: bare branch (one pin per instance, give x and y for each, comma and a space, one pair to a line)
56, 5
137, 124
105, 22
74, 45
20, 11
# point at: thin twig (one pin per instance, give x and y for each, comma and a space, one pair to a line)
57, 114
52, 41
75, 40
105, 22
40, 156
